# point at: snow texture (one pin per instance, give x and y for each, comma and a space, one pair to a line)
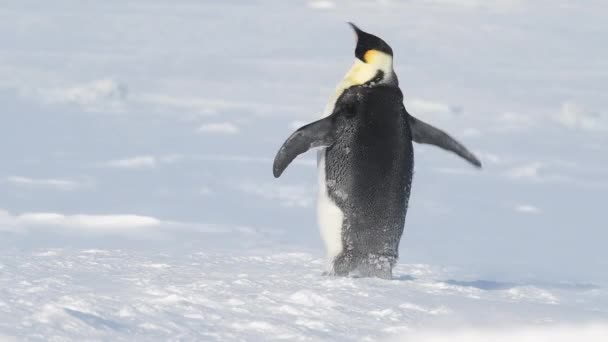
137, 200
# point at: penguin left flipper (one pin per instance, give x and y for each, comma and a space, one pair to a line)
323, 132
424, 133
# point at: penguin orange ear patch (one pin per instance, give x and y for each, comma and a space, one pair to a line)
370, 55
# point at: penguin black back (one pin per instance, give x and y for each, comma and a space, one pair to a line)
370, 167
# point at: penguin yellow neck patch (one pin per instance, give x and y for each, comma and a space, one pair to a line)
374, 61
370, 56
362, 72
359, 74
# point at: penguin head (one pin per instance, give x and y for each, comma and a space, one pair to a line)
369, 47
373, 60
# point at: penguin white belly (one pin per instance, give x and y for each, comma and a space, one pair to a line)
329, 215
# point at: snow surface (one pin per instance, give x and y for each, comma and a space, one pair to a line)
137, 200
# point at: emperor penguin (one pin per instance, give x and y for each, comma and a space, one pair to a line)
365, 163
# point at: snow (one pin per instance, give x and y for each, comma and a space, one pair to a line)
137, 200
138, 162
215, 295
588, 332
219, 128
527, 209
59, 184
98, 92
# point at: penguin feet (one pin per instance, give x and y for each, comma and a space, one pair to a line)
368, 265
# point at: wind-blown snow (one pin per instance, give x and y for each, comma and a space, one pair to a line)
139, 162
575, 116
188, 295
527, 209
59, 184
219, 128
567, 333
138, 203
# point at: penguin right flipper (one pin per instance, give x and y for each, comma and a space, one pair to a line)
424, 133
323, 132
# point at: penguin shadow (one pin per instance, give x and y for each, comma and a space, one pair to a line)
95, 321
487, 285
404, 277
478, 284
490, 285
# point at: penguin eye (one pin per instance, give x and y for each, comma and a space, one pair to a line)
377, 79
